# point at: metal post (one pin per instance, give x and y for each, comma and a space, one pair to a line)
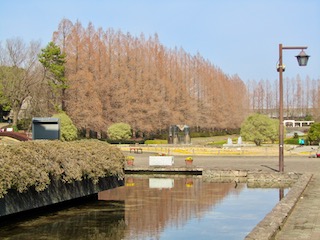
281, 164
281, 126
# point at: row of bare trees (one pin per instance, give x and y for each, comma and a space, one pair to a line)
301, 97
116, 77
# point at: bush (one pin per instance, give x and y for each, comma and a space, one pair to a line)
15, 128
213, 133
295, 141
24, 124
119, 131
35, 163
157, 141
68, 131
125, 141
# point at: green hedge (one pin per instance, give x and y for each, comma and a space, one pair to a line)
214, 133
157, 141
295, 141
35, 163
127, 141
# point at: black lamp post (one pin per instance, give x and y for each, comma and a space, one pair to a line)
302, 61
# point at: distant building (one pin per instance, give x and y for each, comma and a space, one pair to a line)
294, 123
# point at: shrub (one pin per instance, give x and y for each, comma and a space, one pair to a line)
295, 141
119, 131
125, 141
35, 163
157, 141
68, 131
24, 124
15, 128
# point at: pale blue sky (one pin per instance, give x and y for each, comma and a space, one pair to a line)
239, 36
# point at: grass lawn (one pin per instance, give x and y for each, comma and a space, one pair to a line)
212, 140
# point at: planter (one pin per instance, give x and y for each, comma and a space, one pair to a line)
189, 162
130, 162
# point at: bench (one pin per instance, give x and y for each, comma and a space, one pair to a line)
136, 149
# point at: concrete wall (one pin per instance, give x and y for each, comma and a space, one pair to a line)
57, 192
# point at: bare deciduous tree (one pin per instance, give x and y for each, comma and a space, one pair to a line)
116, 77
19, 73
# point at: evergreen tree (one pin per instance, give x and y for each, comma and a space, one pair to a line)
53, 62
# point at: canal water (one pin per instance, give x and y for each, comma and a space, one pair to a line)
154, 208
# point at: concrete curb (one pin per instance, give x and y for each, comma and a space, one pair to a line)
273, 222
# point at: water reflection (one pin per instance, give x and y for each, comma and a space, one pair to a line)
95, 220
281, 193
152, 204
156, 208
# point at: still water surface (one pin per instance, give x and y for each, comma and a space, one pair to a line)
156, 208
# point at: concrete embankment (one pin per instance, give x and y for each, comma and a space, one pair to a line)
57, 192
269, 227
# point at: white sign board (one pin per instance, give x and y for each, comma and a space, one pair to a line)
161, 160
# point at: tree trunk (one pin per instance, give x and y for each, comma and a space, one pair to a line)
15, 113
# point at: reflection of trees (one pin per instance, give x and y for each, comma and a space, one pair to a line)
149, 211
93, 221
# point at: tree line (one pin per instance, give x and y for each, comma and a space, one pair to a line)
100, 77
117, 77
300, 97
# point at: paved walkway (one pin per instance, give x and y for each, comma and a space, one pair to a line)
304, 221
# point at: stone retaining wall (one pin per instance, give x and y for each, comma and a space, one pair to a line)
272, 177
252, 178
207, 174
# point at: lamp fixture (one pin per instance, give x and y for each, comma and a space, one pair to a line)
302, 58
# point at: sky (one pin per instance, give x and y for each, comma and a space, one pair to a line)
239, 36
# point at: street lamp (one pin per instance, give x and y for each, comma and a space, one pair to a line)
302, 61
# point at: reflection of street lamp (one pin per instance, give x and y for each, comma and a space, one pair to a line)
302, 61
